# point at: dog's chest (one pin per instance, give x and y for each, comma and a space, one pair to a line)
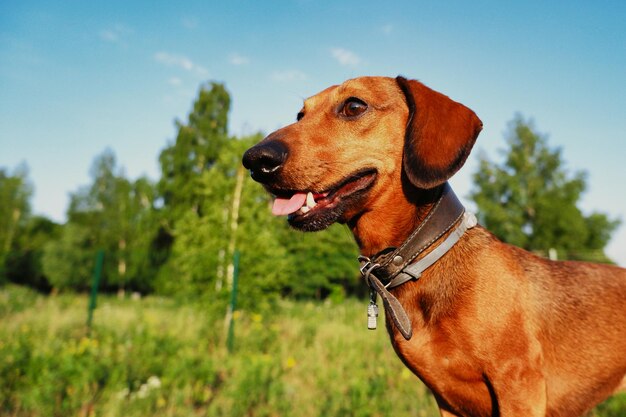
453, 376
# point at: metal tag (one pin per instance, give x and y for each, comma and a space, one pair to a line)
372, 315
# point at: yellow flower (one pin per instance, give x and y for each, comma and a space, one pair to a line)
83, 345
291, 362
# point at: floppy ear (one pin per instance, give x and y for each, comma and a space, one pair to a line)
439, 134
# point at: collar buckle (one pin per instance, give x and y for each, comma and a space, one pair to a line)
366, 265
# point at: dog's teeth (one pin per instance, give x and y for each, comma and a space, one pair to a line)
305, 209
310, 201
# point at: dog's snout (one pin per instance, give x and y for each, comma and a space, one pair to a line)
265, 159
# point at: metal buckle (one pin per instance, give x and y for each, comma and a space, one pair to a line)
366, 265
367, 269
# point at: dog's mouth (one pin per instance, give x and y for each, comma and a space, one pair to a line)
312, 210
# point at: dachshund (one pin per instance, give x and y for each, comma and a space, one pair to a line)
495, 330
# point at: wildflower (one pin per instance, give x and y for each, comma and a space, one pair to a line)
82, 345
143, 391
153, 382
123, 393
291, 362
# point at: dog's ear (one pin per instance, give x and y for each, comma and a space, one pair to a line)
439, 134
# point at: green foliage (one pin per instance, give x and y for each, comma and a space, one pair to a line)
22, 236
530, 200
196, 187
24, 263
113, 214
68, 261
323, 263
614, 407
15, 191
156, 357
196, 149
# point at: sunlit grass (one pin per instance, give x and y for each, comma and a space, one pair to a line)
158, 356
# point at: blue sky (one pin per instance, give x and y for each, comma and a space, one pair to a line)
78, 77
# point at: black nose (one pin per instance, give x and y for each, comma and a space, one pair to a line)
265, 159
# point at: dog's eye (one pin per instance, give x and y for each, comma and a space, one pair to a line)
353, 107
300, 116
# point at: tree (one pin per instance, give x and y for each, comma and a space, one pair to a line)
24, 264
233, 214
112, 214
530, 200
323, 263
143, 253
22, 236
15, 192
196, 148
68, 262
189, 179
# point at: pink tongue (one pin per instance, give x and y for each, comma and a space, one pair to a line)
284, 206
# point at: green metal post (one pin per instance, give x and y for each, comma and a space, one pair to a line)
97, 273
233, 303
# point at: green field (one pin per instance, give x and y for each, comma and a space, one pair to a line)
159, 357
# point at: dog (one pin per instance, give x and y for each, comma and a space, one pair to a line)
491, 329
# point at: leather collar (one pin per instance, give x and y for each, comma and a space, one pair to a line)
392, 266
446, 212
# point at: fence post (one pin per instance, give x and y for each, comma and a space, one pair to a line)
553, 255
233, 303
97, 272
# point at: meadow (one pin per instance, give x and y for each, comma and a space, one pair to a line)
162, 357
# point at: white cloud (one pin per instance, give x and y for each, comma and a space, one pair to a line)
115, 34
109, 36
180, 61
175, 81
289, 75
174, 60
387, 29
237, 59
345, 57
189, 22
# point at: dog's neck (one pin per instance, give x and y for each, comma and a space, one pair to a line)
378, 229
433, 213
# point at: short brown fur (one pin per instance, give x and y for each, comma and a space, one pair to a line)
497, 331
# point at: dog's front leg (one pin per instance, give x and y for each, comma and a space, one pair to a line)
519, 391
446, 413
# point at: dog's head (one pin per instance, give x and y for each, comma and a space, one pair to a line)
353, 144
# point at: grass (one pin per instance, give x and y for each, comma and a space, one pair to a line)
157, 357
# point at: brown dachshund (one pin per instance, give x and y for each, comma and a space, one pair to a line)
496, 330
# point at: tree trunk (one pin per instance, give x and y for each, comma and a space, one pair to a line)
11, 232
121, 267
234, 224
